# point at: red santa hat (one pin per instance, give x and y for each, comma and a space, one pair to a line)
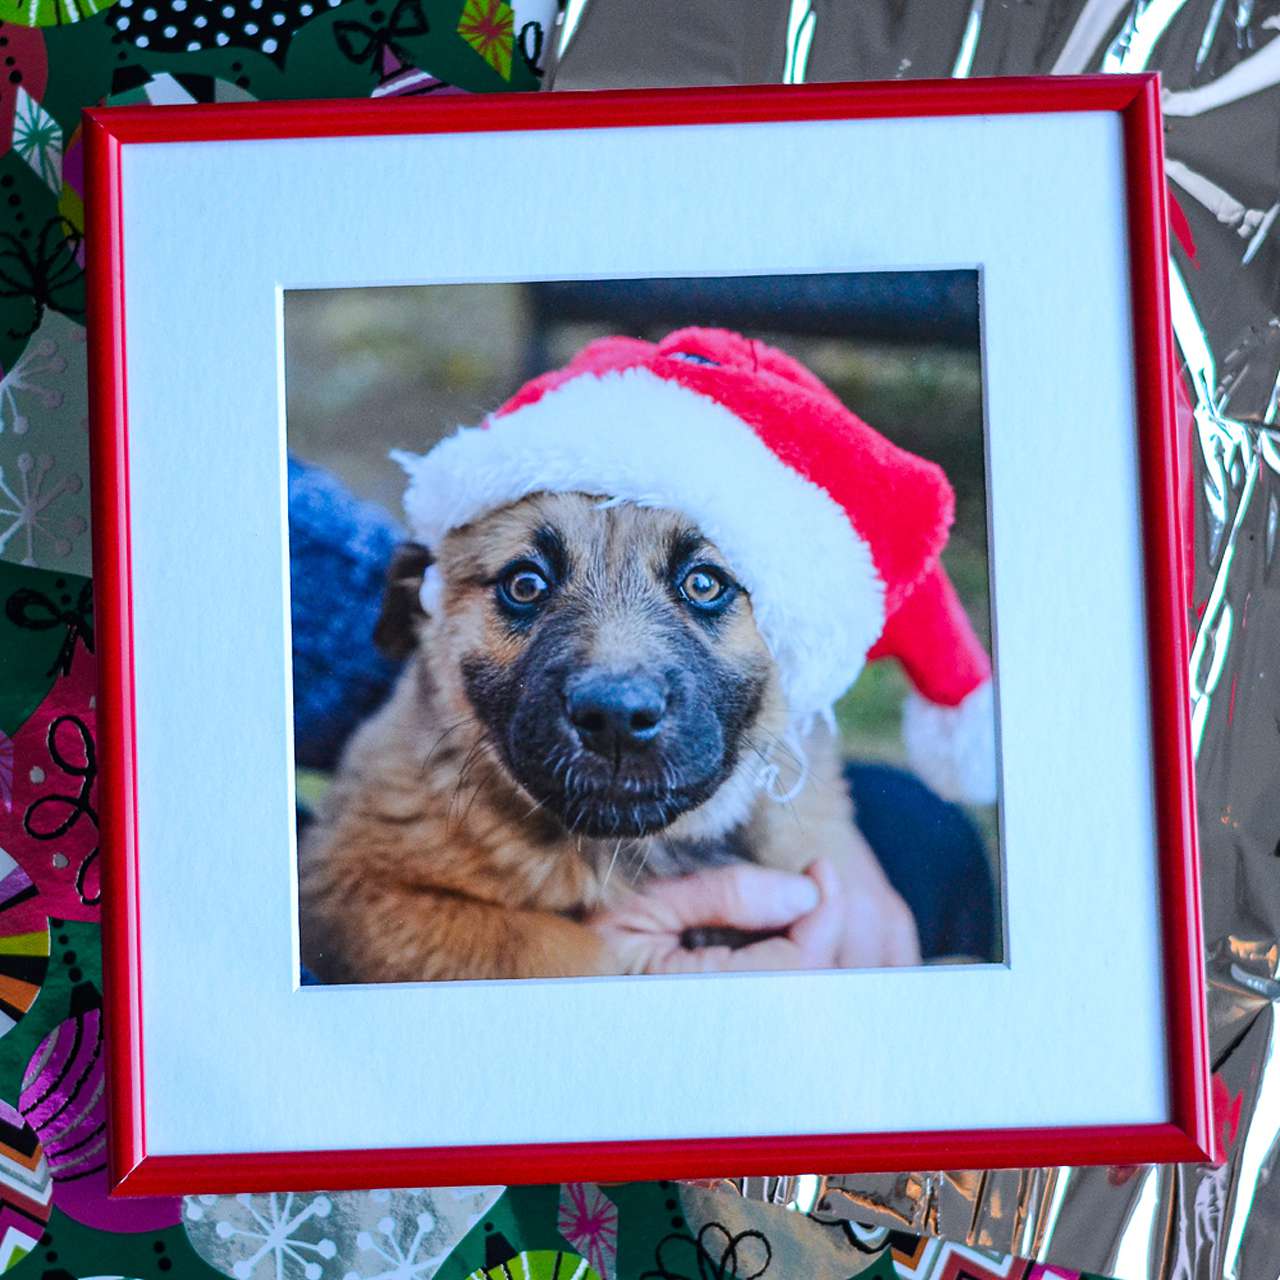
834, 531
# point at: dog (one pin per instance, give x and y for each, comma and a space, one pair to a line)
587, 707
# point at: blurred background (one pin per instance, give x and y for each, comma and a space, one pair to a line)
369, 370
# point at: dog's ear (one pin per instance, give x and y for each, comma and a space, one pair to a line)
396, 630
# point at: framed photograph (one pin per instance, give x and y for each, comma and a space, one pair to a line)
593, 685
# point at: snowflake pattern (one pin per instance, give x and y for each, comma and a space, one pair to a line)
403, 1263
27, 378
37, 138
588, 1220
415, 1231
25, 499
488, 26
360, 1235
273, 1237
44, 502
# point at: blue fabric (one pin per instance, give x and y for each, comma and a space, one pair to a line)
339, 549
934, 856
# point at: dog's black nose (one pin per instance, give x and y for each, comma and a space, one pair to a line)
615, 713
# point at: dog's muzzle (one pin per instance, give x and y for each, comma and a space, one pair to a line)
613, 713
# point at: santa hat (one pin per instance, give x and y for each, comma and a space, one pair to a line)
834, 531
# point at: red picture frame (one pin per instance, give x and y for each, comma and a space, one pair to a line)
1188, 1136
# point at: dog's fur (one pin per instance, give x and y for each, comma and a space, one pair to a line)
469, 831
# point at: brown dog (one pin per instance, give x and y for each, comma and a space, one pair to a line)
588, 708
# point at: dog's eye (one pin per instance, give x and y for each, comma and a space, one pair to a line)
703, 586
523, 586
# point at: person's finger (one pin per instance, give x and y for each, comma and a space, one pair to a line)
634, 950
863, 942
771, 954
819, 934
741, 897
901, 937
706, 960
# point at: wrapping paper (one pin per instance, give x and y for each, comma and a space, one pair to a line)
1221, 63
56, 1221
1221, 71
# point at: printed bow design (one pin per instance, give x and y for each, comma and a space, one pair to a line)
48, 276
714, 1253
361, 43
71, 807
51, 827
54, 814
35, 611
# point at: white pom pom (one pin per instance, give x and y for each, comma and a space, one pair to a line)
431, 593
954, 748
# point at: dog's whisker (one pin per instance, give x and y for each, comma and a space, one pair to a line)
474, 757
644, 859
443, 737
461, 785
479, 753
475, 791
776, 743
617, 849
544, 872
773, 743
451, 816
537, 804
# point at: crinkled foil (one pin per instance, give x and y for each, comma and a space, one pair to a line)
1221, 65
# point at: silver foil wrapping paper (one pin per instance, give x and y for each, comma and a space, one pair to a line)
1220, 61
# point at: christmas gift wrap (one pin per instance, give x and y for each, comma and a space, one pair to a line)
1221, 71
56, 1220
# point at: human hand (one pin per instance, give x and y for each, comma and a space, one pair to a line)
878, 929
806, 912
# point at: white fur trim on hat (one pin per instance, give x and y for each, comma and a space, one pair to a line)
631, 435
954, 748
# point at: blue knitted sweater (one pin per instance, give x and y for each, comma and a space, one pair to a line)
339, 548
